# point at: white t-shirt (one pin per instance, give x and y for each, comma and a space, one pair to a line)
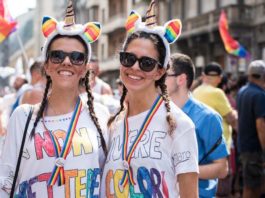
99, 84
83, 163
157, 160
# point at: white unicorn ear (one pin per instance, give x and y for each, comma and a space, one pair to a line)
172, 30
133, 19
92, 31
48, 26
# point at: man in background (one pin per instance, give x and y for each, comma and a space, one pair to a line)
38, 80
97, 85
251, 129
208, 124
209, 94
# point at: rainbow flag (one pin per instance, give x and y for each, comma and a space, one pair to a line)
7, 24
231, 45
5, 28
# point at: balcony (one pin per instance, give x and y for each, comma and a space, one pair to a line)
208, 22
115, 22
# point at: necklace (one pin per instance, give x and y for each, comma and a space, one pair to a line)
61, 153
127, 156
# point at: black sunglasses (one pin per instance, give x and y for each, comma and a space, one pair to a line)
58, 56
146, 64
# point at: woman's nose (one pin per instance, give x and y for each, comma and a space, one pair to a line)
67, 61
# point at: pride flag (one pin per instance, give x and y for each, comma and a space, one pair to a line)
7, 24
231, 45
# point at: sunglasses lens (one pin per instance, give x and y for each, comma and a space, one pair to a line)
147, 64
127, 59
57, 57
77, 58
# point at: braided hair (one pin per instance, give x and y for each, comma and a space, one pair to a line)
159, 45
42, 105
92, 112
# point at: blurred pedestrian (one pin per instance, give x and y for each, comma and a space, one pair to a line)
98, 85
251, 129
64, 148
34, 94
208, 124
209, 94
119, 89
153, 148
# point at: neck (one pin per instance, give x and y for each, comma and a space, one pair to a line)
180, 97
139, 103
59, 104
207, 81
257, 82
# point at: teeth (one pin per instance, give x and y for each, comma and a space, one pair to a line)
134, 77
65, 73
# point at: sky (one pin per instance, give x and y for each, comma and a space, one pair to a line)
18, 7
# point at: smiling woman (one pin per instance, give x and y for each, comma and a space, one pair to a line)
65, 141
18, 7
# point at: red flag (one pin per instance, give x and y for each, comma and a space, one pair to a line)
5, 28
7, 24
2, 9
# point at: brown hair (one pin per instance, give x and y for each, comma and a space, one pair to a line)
159, 45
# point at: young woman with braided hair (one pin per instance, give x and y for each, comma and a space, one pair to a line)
153, 149
65, 150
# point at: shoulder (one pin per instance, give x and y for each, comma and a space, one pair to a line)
101, 109
22, 110
20, 114
204, 110
184, 123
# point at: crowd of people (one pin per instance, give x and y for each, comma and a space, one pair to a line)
65, 134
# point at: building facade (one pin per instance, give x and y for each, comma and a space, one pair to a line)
200, 37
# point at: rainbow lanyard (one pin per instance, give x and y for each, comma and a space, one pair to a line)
128, 173
61, 154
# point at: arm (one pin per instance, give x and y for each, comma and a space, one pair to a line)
217, 169
260, 124
231, 118
188, 185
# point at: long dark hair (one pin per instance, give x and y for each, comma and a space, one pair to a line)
88, 90
160, 47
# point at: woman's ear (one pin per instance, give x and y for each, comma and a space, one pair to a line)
160, 73
45, 68
84, 72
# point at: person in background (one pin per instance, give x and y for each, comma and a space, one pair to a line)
208, 124
251, 129
119, 89
65, 145
209, 94
38, 81
153, 149
98, 86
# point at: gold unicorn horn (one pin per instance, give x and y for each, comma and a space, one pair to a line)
69, 19
150, 19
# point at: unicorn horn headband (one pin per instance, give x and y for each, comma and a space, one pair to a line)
88, 32
69, 19
150, 19
169, 33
